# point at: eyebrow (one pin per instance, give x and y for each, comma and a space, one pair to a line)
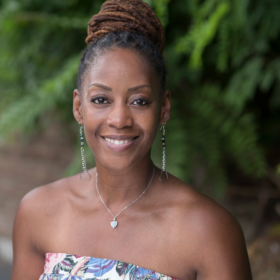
109, 89
138, 87
101, 86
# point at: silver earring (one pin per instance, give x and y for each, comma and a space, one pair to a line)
163, 152
84, 175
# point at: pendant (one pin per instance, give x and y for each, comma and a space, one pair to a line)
114, 224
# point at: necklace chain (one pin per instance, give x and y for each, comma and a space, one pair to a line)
115, 222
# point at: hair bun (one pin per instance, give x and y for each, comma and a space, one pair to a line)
126, 15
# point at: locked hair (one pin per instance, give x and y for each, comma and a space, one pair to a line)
125, 24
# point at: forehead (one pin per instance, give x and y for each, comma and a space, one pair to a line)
121, 68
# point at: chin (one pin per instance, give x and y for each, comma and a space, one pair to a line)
117, 164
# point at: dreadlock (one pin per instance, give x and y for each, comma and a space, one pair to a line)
130, 24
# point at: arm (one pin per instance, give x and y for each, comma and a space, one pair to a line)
28, 263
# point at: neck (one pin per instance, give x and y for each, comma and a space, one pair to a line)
118, 188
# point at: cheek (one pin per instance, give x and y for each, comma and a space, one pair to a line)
148, 122
89, 118
93, 121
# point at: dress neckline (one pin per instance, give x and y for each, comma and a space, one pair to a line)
52, 259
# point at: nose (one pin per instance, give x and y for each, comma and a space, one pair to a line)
120, 116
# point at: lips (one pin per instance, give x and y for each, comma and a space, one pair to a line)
119, 143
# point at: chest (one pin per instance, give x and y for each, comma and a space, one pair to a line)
146, 240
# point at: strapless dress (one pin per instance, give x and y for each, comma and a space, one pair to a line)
60, 266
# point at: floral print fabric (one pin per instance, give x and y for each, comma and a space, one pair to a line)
59, 266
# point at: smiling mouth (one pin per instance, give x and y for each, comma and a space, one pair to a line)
119, 142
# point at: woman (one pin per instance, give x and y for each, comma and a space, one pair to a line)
125, 218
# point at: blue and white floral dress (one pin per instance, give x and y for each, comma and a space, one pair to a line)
60, 266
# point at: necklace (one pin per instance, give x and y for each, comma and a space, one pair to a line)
114, 223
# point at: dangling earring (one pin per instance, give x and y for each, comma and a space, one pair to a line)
163, 152
83, 176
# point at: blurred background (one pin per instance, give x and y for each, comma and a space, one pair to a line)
223, 61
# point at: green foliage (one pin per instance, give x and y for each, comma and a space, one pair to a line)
161, 9
223, 61
41, 99
40, 51
207, 17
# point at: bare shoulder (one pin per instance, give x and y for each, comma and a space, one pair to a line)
203, 212
44, 198
211, 217
30, 231
43, 203
213, 238
52, 196
192, 204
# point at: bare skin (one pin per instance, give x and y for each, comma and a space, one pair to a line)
172, 229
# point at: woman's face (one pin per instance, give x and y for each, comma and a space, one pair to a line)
121, 108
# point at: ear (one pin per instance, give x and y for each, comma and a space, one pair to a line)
77, 106
165, 107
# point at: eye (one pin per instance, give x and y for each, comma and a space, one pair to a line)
99, 100
140, 102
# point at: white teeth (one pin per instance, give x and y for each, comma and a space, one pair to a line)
118, 142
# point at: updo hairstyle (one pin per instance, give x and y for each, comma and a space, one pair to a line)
125, 24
